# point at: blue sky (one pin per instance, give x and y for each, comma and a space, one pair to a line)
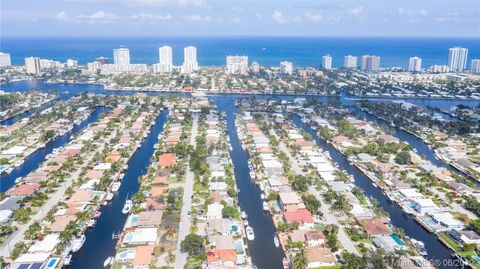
239, 18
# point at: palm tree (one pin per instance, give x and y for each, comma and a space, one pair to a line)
300, 260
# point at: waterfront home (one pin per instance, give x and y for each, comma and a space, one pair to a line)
318, 257
81, 197
446, 219
31, 260
5, 215
143, 256
424, 205
140, 236
147, 219
113, 157
388, 243
45, 245
290, 201
60, 223
469, 237
301, 216
221, 241
24, 190
220, 259
374, 227
409, 194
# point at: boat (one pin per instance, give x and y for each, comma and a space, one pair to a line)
97, 214
245, 222
243, 215
77, 243
91, 223
265, 206
67, 260
108, 262
115, 236
286, 263
116, 186
250, 234
276, 241
109, 196
127, 207
420, 246
262, 196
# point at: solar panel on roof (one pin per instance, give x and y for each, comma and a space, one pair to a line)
36, 266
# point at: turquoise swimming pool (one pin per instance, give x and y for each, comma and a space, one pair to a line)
397, 240
52, 262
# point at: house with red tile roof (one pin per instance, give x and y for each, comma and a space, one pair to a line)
318, 257
167, 160
221, 259
24, 189
143, 256
302, 216
375, 227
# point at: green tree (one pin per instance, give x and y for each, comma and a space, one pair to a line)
193, 244
300, 260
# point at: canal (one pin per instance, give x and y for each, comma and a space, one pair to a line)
35, 159
99, 244
436, 250
263, 251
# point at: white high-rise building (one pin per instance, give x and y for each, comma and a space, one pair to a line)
32, 65
286, 67
190, 63
237, 65
475, 66
439, 68
415, 64
5, 59
457, 58
370, 63
72, 63
255, 67
165, 60
94, 66
327, 62
350, 61
121, 56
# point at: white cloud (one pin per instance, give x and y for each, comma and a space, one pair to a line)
236, 20
278, 17
258, 15
98, 17
62, 15
355, 12
313, 17
198, 18
423, 12
177, 3
145, 17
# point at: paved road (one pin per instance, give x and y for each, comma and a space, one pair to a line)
328, 216
185, 222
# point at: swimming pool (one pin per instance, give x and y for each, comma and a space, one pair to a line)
125, 255
397, 239
52, 262
234, 228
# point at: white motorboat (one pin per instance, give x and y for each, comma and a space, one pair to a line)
67, 260
243, 215
109, 196
420, 246
276, 241
245, 222
108, 262
127, 207
265, 206
77, 243
250, 234
116, 186
91, 223
262, 196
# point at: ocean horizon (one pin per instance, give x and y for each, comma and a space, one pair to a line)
267, 51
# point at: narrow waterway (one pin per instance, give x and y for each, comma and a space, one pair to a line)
35, 159
99, 244
436, 250
417, 143
263, 251
27, 113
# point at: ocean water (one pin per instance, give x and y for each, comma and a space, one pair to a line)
268, 51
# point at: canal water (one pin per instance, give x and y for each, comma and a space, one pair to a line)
263, 251
33, 161
25, 114
436, 250
99, 244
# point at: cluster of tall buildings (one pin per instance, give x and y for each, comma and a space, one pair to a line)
237, 65
34, 65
